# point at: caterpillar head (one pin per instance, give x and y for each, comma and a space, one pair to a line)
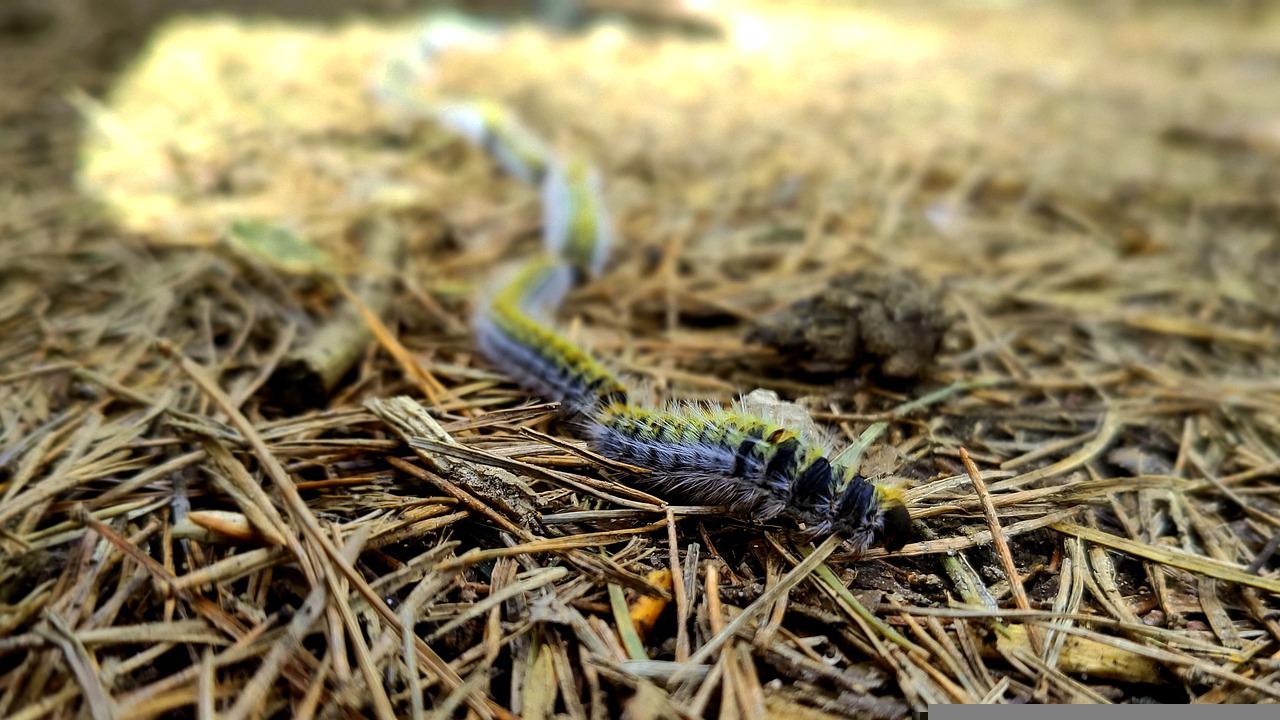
894, 521
870, 515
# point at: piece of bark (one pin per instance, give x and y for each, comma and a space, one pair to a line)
309, 373
505, 492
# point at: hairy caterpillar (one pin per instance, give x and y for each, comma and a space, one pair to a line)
703, 454
708, 455
725, 457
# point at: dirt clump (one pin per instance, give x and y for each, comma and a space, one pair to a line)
890, 320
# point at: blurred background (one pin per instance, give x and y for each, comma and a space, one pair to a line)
48, 46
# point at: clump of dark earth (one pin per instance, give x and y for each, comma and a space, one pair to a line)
890, 320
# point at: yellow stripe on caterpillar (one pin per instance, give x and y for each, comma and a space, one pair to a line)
535, 355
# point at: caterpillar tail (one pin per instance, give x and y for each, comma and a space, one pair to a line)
492, 127
576, 223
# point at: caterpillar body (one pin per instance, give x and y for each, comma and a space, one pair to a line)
709, 455
725, 457
508, 334
703, 454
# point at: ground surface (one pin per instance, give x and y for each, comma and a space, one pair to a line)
1094, 198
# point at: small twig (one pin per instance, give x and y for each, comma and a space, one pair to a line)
82, 668
1168, 556
766, 599
626, 629
1001, 547
307, 375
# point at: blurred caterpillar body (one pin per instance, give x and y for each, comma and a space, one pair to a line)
519, 152
706, 455
576, 224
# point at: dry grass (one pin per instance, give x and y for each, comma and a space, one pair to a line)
1095, 195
